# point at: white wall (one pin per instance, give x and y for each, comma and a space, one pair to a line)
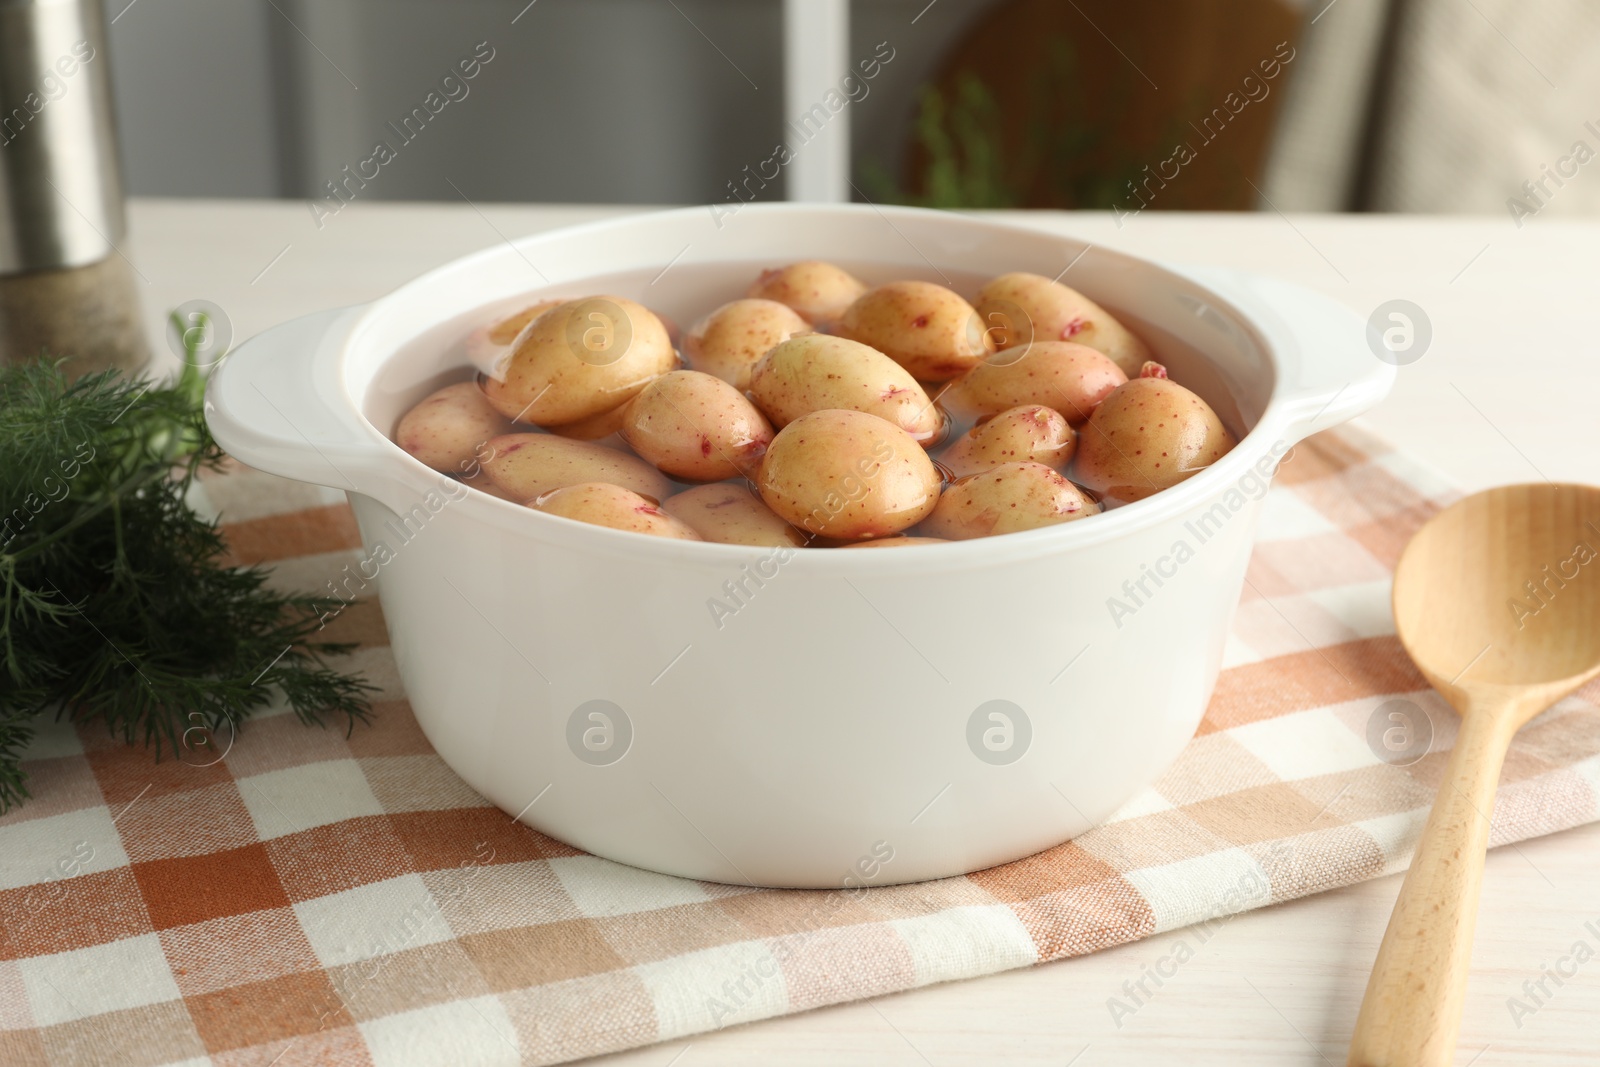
194, 97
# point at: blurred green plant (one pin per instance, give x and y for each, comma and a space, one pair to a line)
966, 165
1064, 154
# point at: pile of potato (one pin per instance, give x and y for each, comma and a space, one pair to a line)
819, 412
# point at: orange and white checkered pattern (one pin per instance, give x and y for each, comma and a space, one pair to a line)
318, 899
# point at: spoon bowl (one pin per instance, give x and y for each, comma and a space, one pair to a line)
1503, 589
1497, 600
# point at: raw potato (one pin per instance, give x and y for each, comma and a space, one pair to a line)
1070, 378
580, 359
926, 328
696, 427
445, 430
818, 292
524, 465
896, 542
733, 338
817, 372
1022, 434
488, 346
1009, 498
1149, 434
1060, 313
604, 504
848, 475
731, 515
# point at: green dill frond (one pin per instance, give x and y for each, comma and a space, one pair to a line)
114, 605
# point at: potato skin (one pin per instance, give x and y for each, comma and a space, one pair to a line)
525, 465
446, 428
732, 339
1006, 499
927, 329
1061, 313
1029, 433
1149, 434
580, 359
696, 427
848, 475
730, 514
604, 504
816, 372
818, 292
1067, 377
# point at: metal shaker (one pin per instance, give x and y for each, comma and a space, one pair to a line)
66, 291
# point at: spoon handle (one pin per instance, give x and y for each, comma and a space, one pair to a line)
1411, 1013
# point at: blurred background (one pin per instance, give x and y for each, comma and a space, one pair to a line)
1124, 105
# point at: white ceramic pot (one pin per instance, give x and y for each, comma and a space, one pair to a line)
844, 718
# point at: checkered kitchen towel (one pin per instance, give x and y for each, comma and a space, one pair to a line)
314, 899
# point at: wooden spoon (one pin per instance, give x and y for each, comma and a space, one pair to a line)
1497, 599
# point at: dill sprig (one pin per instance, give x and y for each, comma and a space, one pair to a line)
115, 606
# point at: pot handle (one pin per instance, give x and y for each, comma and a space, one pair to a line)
277, 403
1330, 372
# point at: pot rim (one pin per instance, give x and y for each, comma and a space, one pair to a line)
1287, 417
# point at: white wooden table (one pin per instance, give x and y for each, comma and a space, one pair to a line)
1506, 393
